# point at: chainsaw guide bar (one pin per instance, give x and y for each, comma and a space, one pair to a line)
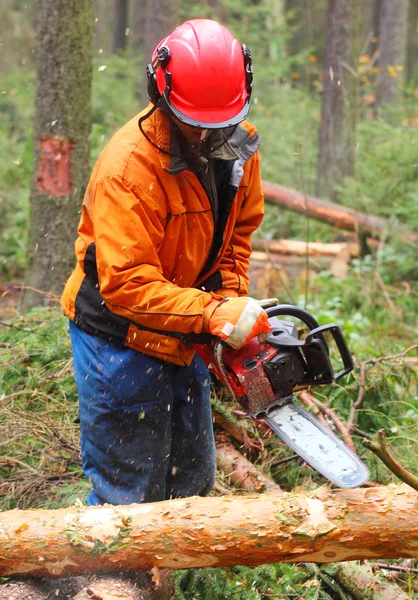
318, 446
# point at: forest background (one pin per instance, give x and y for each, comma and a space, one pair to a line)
358, 149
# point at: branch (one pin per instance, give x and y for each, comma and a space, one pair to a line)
378, 446
243, 473
362, 387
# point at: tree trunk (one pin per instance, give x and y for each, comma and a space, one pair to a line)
138, 20
337, 135
393, 22
62, 131
160, 19
411, 75
319, 526
120, 25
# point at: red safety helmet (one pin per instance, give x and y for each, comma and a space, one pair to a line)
202, 74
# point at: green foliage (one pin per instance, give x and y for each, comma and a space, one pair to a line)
16, 100
243, 583
118, 95
38, 413
386, 179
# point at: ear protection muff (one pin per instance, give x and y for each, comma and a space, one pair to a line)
161, 60
248, 66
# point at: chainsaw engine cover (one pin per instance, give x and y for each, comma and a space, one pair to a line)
262, 373
247, 376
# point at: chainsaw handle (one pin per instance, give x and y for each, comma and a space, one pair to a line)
293, 311
348, 364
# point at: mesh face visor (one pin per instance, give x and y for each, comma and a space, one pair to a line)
241, 116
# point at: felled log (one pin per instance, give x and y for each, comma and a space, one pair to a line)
242, 472
301, 248
319, 526
284, 260
236, 432
363, 584
328, 212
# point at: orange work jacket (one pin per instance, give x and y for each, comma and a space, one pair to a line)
148, 258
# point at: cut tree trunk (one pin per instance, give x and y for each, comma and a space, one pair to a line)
331, 213
319, 526
280, 260
242, 472
301, 248
363, 584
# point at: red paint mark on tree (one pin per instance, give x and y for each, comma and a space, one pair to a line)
54, 176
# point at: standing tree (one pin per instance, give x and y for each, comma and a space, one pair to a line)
160, 19
120, 25
412, 44
393, 30
62, 142
337, 135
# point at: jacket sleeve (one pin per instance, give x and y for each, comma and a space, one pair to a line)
235, 263
128, 229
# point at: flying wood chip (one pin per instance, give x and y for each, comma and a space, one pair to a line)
54, 176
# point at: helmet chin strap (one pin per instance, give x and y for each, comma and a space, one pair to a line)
146, 136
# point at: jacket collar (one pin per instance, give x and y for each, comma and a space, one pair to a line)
240, 147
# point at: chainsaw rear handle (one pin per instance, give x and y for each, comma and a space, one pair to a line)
345, 353
315, 330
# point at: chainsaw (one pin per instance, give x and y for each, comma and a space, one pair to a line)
264, 375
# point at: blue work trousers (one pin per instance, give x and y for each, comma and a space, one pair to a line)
145, 425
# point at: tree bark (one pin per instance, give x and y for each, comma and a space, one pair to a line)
120, 25
161, 16
319, 526
61, 133
138, 21
393, 29
340, 102
412, 44
242, 472
301, 248
333, 214
363, 584
260, 259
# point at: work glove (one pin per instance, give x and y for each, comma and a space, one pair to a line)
236, 320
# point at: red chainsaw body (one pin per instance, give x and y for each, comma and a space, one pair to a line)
242, 372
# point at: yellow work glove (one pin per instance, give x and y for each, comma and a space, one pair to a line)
235, 320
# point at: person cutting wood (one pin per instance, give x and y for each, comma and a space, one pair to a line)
162, 258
